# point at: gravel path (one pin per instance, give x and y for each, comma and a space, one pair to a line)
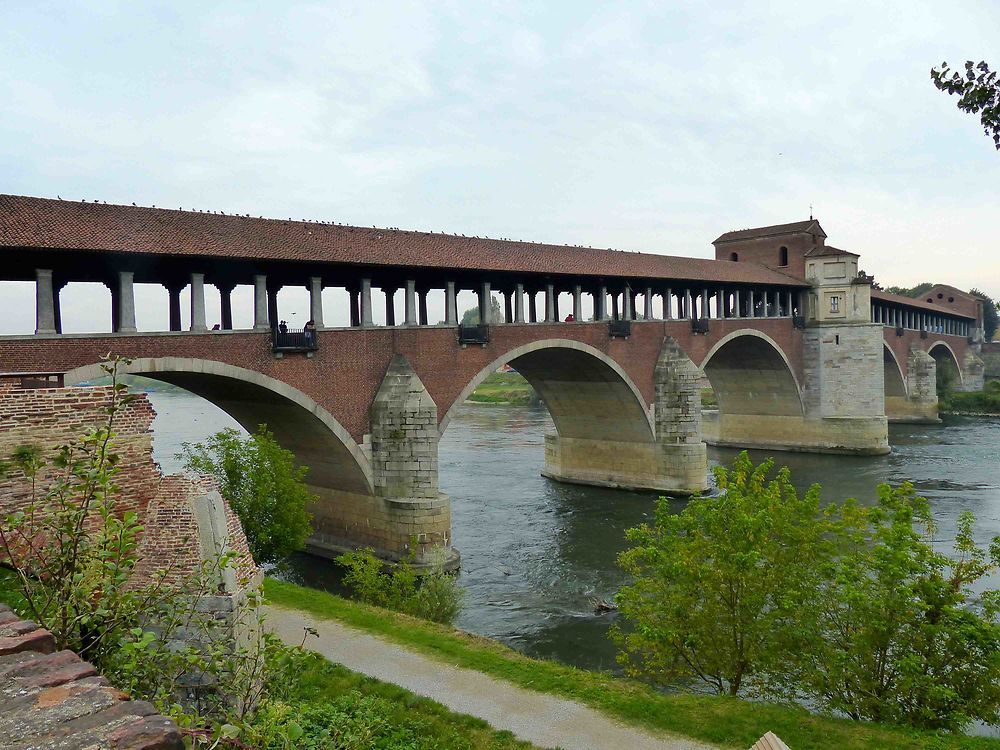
539, 718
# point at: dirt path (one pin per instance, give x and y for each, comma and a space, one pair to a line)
539, 718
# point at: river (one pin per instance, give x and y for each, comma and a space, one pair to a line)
534, 552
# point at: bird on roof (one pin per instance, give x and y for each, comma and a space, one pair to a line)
60, 198
133, 203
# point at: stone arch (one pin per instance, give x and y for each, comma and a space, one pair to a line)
895, 382
751, 375
586, 392
942, 351
299, 424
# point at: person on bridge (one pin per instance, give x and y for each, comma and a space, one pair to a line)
282, 327
310, 332
570, 318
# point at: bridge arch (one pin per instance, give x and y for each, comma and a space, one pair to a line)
299, 424
751, 375
586, 391
942, 352
895, 381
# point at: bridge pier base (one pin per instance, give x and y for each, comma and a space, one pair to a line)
406, 517
973, 372
673, 459
919, 405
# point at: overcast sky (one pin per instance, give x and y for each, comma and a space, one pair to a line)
647, 126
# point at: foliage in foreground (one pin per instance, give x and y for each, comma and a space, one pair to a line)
434, 596
978, 90
852, 607
264, 486
723, 720
74, 554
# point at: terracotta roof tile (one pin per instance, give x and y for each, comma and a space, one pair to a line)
54, 224
795, 227
919, 303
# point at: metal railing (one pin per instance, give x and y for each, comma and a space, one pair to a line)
478, 334
289, 340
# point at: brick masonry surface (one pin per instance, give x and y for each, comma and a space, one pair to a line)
54, 700
50, 417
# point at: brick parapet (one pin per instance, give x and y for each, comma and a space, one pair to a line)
52, 699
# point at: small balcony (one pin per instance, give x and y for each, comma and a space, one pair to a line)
293, 341
478, 334
619, 329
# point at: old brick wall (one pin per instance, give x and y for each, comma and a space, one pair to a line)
50, 417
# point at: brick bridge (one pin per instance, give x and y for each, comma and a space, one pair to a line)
803, 353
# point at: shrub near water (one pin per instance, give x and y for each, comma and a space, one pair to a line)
850, 607
435, 596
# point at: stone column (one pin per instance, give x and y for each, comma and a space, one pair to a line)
532, 307
450, 304
116, 306
272, 306
316, 300
354, 306
550, 303
198, 302
226, 306
508, 307
366, 303
668, 302
260, 322
519, 303
174, 306
791, 306
422, 306
126, 303
577, 303
410, 303
720, 305
627, 304
45, 307
614, 307
648, 304
57, 307
390, 307
751, 312
601, 303
737, 307
687, 305
485, 304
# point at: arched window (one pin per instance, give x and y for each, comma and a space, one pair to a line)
734, 257
783, 256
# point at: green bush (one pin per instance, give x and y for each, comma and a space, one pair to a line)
852, 607
264, 486
435, 596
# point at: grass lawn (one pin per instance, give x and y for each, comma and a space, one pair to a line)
729, 722
504, 388
394, 716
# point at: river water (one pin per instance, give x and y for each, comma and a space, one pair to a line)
534, 552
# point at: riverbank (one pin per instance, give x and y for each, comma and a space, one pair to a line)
719, 720
504, 389
985, 403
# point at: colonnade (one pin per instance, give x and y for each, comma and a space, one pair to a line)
619, 302
916, 320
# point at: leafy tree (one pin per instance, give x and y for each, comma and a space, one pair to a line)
978, 90
990, 313
899, 635
910, 291
471, 316
264, 486
719, 586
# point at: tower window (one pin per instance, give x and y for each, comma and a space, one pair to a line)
783, 256
834, 303
734, 257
